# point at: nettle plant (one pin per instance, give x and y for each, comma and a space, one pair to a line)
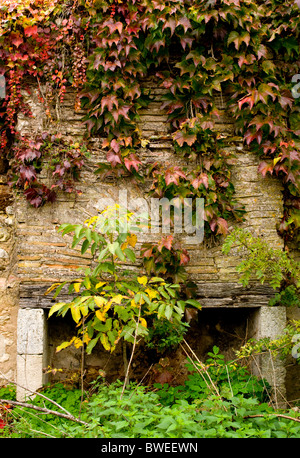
110, 303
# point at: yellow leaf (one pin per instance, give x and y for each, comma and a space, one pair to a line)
64, 345
142, 280
56, 307
91, 220
78, 342
84, 310
87, 283
104, 341
100, 315
276, 159
117, 299
100, 301
132, 239
151, 293
143, 322
77, 287
86, 338
54, 286
75, 311
132, 303
124, 245
100, 284
144, 142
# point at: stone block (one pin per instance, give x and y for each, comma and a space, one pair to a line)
3, 254
270, 322
31, 331
30, 376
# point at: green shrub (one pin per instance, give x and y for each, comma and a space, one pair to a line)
139, 413
230, 378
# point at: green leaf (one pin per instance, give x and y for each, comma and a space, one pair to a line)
85, 246
161, 310
65, 228
92, 344
112, 247
156, 279
168, 312
88, 234
194, 303
119, 253
130, 254
55, 308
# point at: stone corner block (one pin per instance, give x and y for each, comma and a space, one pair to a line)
31, 332
272, 321
30, 376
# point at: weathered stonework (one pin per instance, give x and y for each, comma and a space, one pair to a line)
33, 255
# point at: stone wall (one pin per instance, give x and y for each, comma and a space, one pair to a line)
33, 255
44, 257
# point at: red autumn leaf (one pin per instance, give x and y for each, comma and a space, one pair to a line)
30, 31
113, 158
115, 145
222, 226
248, 59
292, 155
184, 258
262, 51
248, 99
165, 242
133, 92
213, 224
250, 136
290, 177
200, 179
59, 170
182, 137
105, 143
2, 423
113, 26
147, 253
171, 24
35, 196
123, 111
173, 175
264, 168
157, 45
186, 41
28, 172
16, 39
108, 102
185, 22
90, 124
268, 147
285, 99
264, 90
132, 162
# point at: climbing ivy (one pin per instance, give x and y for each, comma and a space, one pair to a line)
245, 52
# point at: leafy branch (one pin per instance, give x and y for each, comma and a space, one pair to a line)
260, 260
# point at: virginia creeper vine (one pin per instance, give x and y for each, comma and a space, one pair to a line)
245, 52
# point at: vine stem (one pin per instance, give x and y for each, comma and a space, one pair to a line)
132, 353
